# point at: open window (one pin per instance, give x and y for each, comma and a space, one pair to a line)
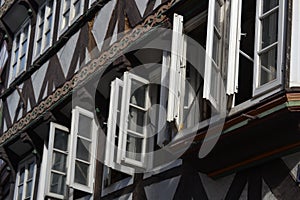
127, 143
83, 150
25, 180
255, 48
58, 153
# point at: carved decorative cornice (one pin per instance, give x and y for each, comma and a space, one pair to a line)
85, 72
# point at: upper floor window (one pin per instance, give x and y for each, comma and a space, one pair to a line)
44, 27
69, 157
256, 48
20, 50
25, 180
70, 11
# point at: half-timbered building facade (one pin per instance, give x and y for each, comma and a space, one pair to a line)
149, 99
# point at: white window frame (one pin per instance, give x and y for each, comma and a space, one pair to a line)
257, 89
177, 73
72, 158
121, 157
46, 28
72, 17
53, 127
24, 164
3, 54
15, 60
111, 150
210, 64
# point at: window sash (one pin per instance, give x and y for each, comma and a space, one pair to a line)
26, 180
20, 49
51, 151
122, 156
177, 72
212, 74
72, 9
44, 33
73, 160
273, 51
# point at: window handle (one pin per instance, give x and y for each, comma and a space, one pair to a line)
244, 34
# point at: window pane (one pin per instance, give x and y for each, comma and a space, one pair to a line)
136, 119
269, 4
22, 173
134, 147
214, 82
61, 140
59, 162
217, 15
66, 16
81, 173
58, 184
268, 66
30, 171
38, 46
83, 149
77, 8
20, 192
41, 29
138, 93
67, 4
269, 29
85, 126
216, 44
48, 35
28, 189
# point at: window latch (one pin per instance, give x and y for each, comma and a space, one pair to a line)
244, 34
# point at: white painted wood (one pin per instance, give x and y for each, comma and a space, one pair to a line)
169, 187
234, 46
76, 112
43, 174
65, 54
175, 69
257, 89
295, 47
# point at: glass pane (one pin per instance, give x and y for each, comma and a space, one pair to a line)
77, 8
59, 162
14, 70
67, 4
20, 192
28, 189
65, 19
49, 24
61, 140
81, 173
42, 14
24, 47
136, 120
269, 4
30, 170
22, 173
83, 149
215, 53
134, 147
85, 126
268, 66
38, 46
41, 29
269, 29
58, 184
138, 93
214, 82
48, 35
217, 15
